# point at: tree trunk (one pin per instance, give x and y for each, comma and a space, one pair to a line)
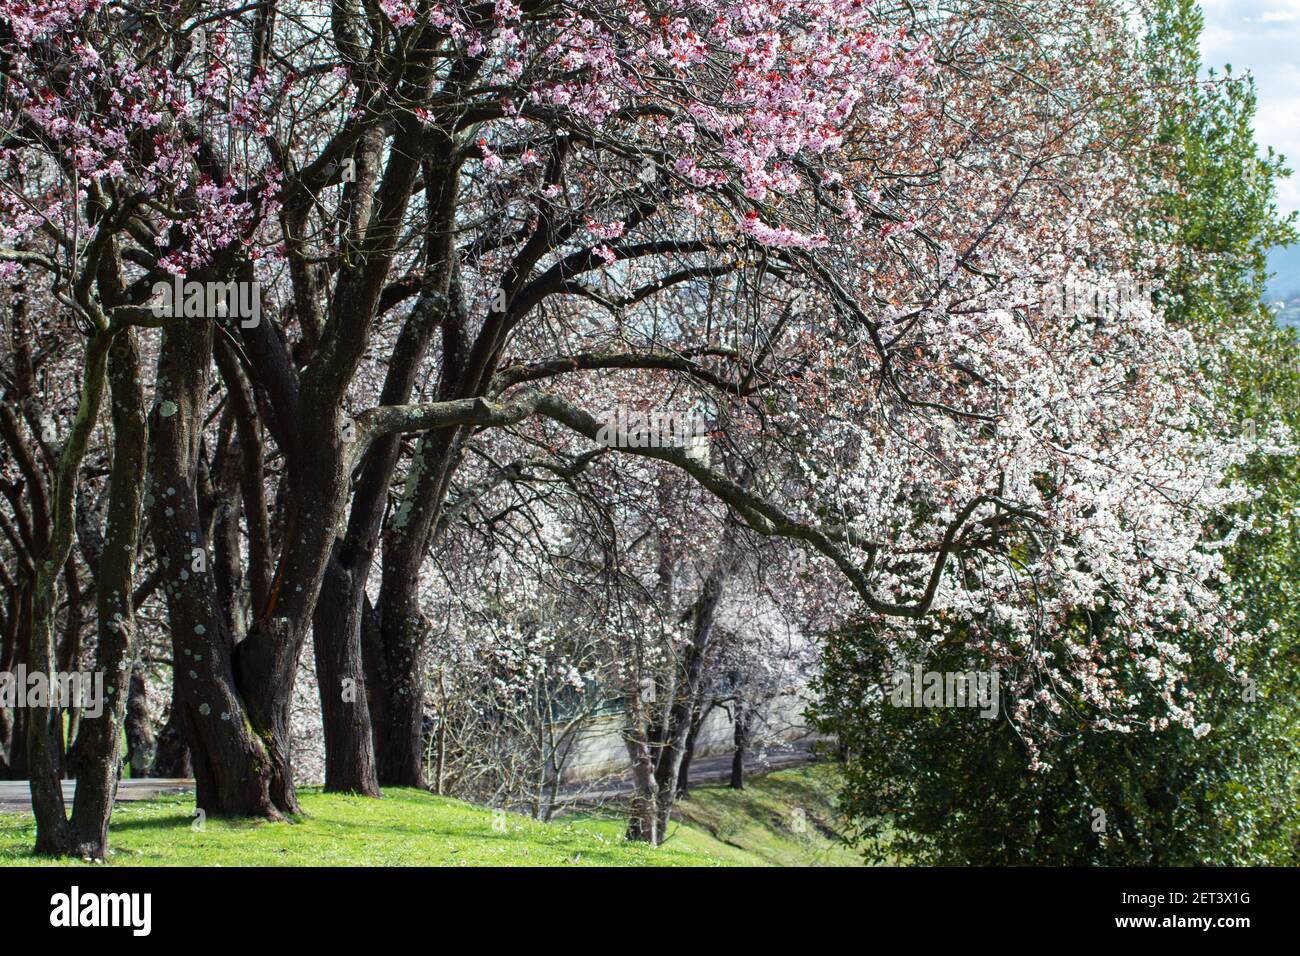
172, 757
353, 733
141, 744
100, 741
45, 728
13, 732
688, 685
684, 773
345, 708
399, 717
233, 771
643, 821
69, 661
403, 628
740, 737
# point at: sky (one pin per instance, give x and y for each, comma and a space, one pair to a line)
1263, 36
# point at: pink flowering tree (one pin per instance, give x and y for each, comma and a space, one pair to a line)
475, 231
101, 187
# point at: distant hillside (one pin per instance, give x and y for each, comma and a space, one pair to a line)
1284, 263
1283, 289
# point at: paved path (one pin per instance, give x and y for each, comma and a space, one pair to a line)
16, 795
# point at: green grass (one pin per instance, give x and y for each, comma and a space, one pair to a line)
414, 828
782, 819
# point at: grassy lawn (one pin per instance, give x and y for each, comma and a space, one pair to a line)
411, 827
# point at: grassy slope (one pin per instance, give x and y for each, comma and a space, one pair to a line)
410, 827
782, 819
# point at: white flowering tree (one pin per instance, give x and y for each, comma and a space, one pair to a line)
835, 228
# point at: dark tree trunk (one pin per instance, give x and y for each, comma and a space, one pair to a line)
399, 721
11, 736
321, 460
99, 742
740, 737
363, 748
19, 765
682, 711
233, 771
266, 665
13, 723
140, 741
172, 756
403, 628
684, 773
45, 727
345, 708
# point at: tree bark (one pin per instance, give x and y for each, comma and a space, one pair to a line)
740, 737
353, 732
141, 743
44, 728
99, 743
172, 756
403, 628
345, 709
643, 820
704, 615
232, 768
684, 772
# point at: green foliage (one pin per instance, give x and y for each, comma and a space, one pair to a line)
945, 786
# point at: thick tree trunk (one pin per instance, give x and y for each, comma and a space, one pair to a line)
399, 714
354, 726
314, 431
266, 666
394, 648
266, 662
45, 731
684, 772
99, 742
403, 627
232, 768
353, 732
345, 708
